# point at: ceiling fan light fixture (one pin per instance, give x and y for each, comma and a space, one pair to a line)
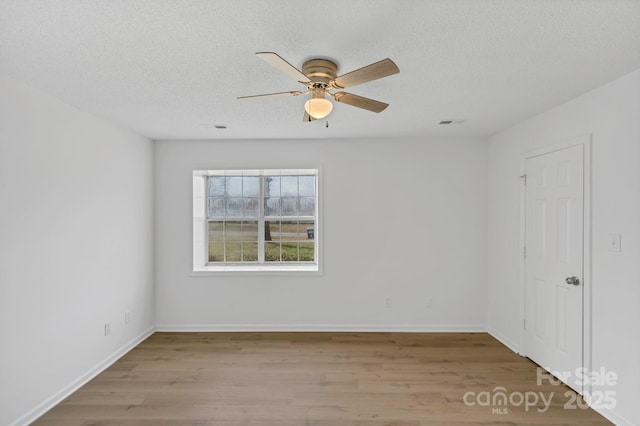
318, 107
320, 77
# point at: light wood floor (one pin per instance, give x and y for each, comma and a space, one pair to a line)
313, 379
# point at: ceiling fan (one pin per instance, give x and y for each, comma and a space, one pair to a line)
320, 77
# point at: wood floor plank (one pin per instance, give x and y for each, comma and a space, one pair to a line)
314, 379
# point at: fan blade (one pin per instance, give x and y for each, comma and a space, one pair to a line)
277, 61
272, 95
307, 118
383, 68
360, 102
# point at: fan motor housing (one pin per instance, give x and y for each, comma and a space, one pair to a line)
320, 70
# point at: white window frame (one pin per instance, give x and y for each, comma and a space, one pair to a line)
201, 265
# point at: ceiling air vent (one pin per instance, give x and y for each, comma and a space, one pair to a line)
217, 126
451, 122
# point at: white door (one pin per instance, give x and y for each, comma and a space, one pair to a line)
554, 261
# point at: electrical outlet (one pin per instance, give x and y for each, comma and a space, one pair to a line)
127, 317
428, 302
107, 328
388, 302
615, 242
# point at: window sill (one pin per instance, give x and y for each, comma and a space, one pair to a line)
240, 270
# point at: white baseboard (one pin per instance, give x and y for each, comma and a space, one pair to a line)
613, 417
51, 402
398, 328
502, 339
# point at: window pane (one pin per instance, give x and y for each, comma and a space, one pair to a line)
216, 231
234, 186
289, 207
232, 231
289, 186
289, 231
289, 251
307, 206
307, 251
251, 207
234, 207
249, 232
250, 252
251, 186
272, 252
272, 186
307, 186
290, 235
272, 230
272, 207
306, 244
233, 251
307, 229
216, 251
216, 207
216, 186
216, 242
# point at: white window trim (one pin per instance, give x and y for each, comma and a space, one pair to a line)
201, 266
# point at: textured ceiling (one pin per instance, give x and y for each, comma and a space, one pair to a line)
171, 69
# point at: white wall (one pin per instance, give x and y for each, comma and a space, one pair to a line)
402, 218
76, 247
611, 114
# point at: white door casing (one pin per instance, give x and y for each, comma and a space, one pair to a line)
554, 261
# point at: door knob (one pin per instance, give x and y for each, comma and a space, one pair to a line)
572, 280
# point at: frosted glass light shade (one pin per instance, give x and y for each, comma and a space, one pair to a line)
318, 107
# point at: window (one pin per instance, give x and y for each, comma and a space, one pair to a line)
255, 220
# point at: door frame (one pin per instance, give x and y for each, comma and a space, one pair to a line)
586, 142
